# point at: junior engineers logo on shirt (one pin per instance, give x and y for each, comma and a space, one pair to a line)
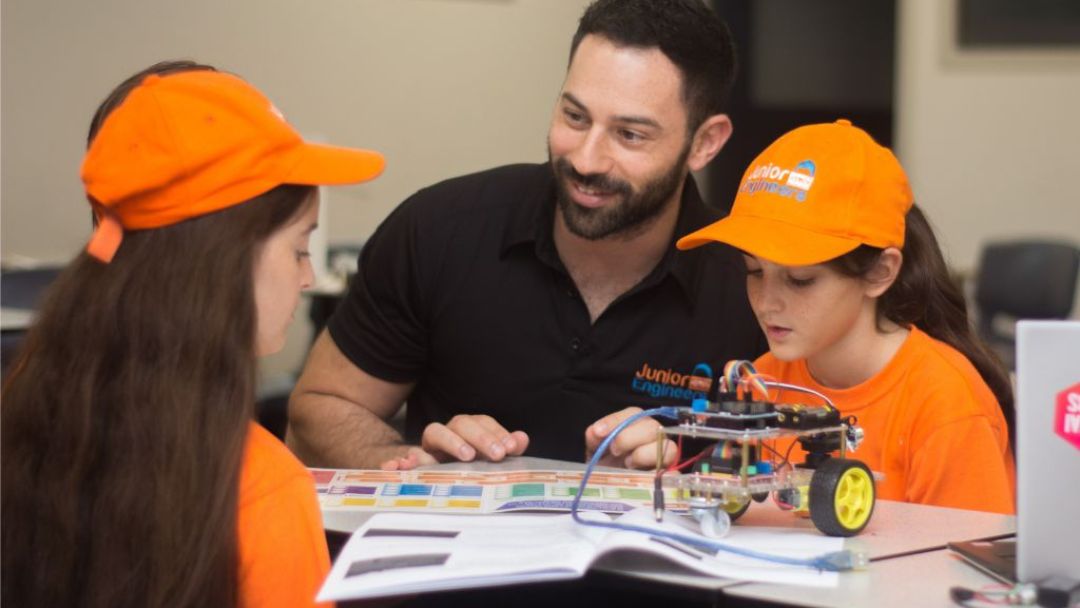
666, 383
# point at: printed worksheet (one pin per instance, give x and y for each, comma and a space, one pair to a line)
409, 553
486, 492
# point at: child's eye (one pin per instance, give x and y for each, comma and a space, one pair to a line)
753, 272
800, 282
301, 254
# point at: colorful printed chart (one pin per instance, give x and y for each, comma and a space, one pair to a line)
491, 492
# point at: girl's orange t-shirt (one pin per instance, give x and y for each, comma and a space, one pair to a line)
931, 423
283, 553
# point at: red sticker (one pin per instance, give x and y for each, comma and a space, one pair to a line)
1067, 415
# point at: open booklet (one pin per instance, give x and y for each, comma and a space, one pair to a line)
441, 491
407, 553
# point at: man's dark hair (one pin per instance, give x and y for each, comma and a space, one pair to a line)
689, 34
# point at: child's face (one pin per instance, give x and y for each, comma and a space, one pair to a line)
282, 270
806, 311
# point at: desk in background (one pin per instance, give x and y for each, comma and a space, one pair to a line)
21, 291
15, 319
906, 544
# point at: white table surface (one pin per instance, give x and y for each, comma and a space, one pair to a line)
895, 530
895, 527
921, 580
906, 542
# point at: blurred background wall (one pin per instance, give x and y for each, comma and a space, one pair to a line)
441, 87
445, 87
989, 137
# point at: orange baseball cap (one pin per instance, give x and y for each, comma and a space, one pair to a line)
815, 194
190, 143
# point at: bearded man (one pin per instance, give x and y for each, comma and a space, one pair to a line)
529, 309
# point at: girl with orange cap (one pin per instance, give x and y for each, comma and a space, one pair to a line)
848, 283
133, 473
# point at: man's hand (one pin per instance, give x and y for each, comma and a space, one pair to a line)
467, 437
415, 457
635, 446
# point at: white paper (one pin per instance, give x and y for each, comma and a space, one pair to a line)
782, 542
487, 550
387, 554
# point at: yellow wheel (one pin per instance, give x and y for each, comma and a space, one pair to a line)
735, 507
842, 495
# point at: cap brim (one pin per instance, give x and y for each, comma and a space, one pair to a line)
771, 240
323, 165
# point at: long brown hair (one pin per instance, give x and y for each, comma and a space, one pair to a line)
125, 415
926, 296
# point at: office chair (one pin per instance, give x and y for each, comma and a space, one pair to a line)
1023, 280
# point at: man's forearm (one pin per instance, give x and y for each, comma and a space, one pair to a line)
326, 431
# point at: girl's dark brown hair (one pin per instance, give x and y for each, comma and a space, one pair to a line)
125, 415
925, 295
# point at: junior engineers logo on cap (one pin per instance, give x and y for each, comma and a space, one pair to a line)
793, 183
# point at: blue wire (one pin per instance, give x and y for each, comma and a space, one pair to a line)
833, 562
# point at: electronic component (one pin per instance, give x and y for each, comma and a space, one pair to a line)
798, 416
752, 433
745, 464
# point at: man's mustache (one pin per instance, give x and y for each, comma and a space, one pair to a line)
597, 181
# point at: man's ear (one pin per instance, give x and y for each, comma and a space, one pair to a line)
708, 140
884, 273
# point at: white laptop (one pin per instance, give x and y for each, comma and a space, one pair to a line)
1048, 449
1047, 460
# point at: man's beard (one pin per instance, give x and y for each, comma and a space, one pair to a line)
626, 216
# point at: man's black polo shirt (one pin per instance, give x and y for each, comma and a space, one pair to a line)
461, 290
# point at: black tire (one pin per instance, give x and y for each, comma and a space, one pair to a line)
842, 497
